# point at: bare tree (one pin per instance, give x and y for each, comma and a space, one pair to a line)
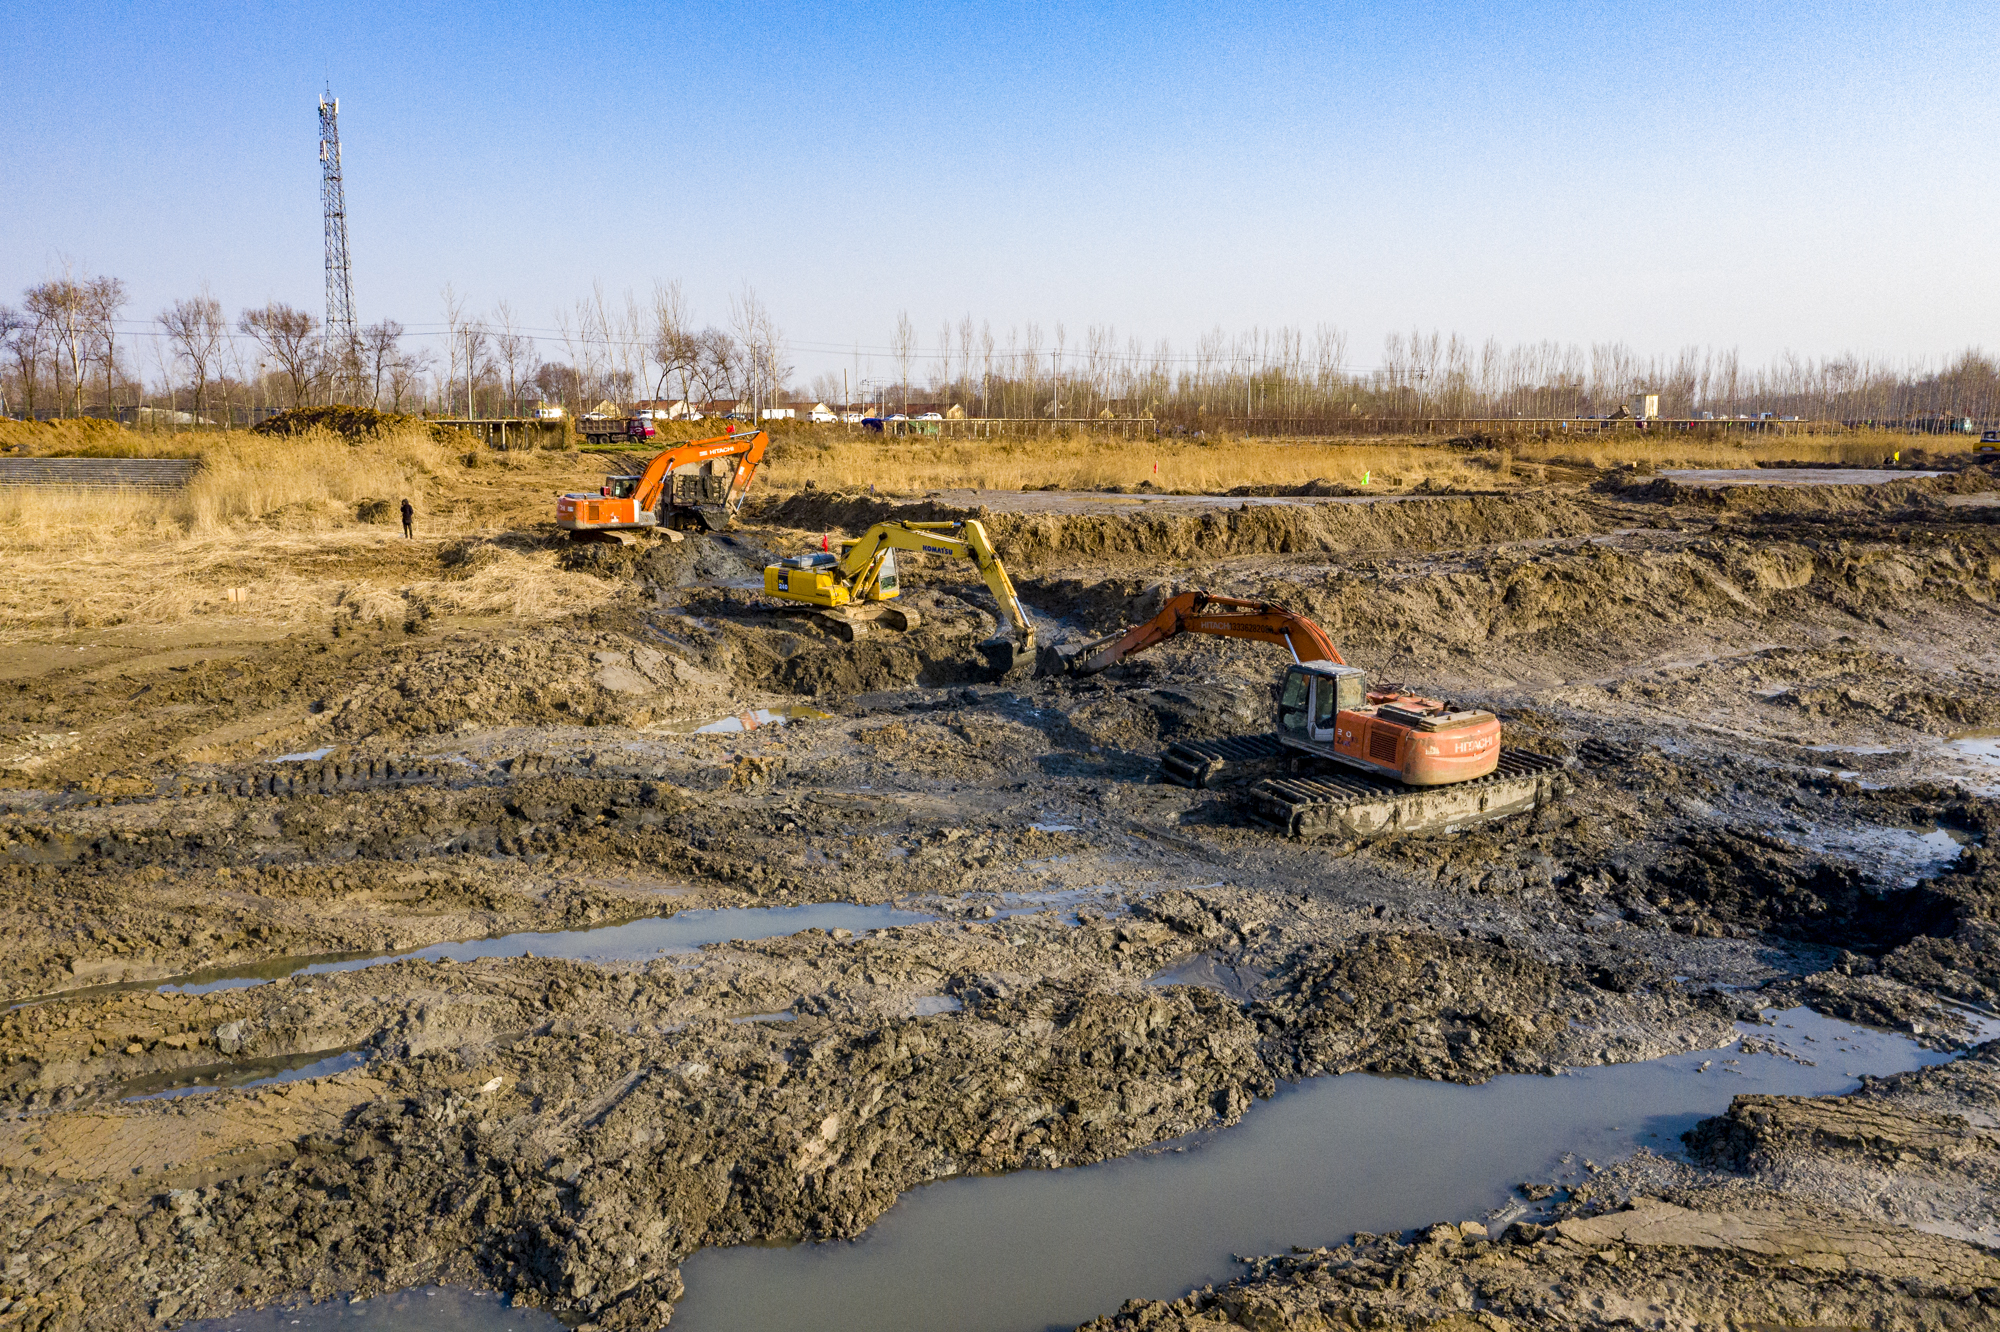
516, 352
454, 332
476, 361
676, 346
380, 351
903, 345
406, 372
21, 333
718, 366
762, 346
196, 333
103, 299
57, 306
289, 337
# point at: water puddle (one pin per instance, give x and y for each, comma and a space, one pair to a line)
1789, 476
632, 940
1205, 970
249, 1073
934, 1005
748, 721
1318, 1162
306, 756
425, 1309
1983, 745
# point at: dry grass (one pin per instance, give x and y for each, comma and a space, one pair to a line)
1093, 462
279, 517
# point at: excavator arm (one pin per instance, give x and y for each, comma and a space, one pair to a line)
1201, 613
627, 504
654, 479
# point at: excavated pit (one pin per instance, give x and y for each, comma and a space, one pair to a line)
1765, 699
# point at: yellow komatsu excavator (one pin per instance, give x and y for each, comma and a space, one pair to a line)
854, 586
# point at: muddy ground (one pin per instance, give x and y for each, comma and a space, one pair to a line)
1757, 691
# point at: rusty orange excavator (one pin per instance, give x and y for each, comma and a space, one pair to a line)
692, 487
1402, 762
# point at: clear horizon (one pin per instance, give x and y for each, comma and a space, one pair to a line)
1809, 178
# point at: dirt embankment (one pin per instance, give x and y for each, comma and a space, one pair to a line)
1031, 542
1696, 1260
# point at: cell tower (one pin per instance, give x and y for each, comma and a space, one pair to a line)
343, 339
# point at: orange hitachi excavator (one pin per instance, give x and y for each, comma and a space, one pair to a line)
1432, 765
695, 486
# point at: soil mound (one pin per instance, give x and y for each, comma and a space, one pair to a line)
354, 424
1918, 492
698, 561
590, 679
1041, 541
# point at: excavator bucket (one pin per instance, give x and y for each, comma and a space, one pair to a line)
1004, 655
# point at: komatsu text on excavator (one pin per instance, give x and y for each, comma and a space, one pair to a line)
697, 486
854, 587
1344, 759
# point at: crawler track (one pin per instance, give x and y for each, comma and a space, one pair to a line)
1327, 801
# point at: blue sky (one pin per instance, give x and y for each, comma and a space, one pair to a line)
1814, 177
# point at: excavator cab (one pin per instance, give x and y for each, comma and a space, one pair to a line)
1314, 694
620, 487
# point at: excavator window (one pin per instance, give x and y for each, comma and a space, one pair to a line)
888, 584
621, 487
1326, 702
1352, 686
1294, 703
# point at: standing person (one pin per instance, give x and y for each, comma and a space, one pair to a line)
409, 515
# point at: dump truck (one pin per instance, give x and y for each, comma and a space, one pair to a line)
1344, 759
614, 429
697, 486
856, 587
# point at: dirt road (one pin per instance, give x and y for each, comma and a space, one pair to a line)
1758, 691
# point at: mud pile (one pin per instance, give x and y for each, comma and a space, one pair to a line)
1694, 1261
557, 678
1033, 542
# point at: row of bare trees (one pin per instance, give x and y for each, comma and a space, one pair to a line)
67, 350
63, 333
1288, 372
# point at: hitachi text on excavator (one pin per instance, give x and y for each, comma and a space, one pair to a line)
1344, 760
697, 486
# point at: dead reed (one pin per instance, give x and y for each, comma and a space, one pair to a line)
1095, 462
281, 518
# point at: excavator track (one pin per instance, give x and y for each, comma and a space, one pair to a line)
1327, 800
1236, 758
1330, 802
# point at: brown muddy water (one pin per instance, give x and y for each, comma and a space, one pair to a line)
1040, 1250
1321, 1160
632, 940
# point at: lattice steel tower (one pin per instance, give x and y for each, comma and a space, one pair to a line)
343, 339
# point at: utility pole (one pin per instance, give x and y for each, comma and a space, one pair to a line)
343, 338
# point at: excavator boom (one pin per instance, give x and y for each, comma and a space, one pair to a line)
1202, 613
687, 486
